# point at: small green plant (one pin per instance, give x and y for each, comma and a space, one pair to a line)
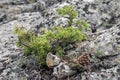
70, 10
81, 24
32, 44
52, 40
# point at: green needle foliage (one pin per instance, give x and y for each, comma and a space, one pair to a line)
69, 10
52, 40
32, 44
81, 24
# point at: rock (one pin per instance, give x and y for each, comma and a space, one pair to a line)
31, 1
28, 20
2, 17
40, 5
52, 60
90, 1
104, 43
117, 59
104, 37
62, 22
72, 54
50, 2
1, 69
62, 70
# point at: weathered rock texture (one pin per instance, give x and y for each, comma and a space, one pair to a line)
103, 17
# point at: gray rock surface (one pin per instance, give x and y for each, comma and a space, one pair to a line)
105, 42
103, 17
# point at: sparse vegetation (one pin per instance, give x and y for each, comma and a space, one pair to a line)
81, 24
72, 13
68, 10
53, 40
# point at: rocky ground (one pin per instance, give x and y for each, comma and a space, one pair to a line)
103, 17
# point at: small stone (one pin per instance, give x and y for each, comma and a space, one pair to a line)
62, 70
52, 60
